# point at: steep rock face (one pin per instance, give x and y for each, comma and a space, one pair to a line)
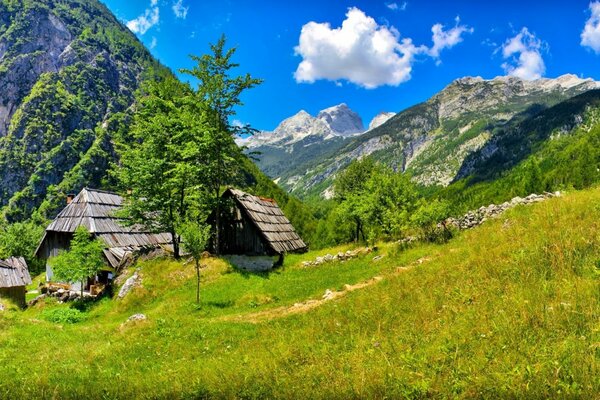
380, 119
68, 73
432, 140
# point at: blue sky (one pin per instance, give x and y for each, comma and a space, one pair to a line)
372, 55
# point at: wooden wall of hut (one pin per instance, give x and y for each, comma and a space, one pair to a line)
15, 294
239, 236
52, 245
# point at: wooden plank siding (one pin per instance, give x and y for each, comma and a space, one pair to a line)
14, 276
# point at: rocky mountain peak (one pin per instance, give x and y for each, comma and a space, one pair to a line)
342, 120
336, 121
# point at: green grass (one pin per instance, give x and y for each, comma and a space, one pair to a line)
510, 309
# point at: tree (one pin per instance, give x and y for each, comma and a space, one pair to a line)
183, 148
83, 260
163, 165
21, 239
195, 238
427, 218
378, 199
350, 190
221, 93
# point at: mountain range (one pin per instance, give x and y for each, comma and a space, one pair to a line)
434, 141
303, 138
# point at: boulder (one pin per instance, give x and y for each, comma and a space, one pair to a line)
36, 300
137, 317
133, 281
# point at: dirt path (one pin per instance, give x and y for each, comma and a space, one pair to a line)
305, 306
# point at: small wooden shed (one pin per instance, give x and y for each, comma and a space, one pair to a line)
14, 276
96, 211
254, 226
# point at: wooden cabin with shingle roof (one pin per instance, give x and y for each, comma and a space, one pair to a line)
14, 277
96, 210
253, 226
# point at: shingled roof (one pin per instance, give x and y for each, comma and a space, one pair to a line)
270, 221
14, 272
96, 211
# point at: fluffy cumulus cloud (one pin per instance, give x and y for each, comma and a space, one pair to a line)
180, 10
447, 39
147, 20
360, 51
524, 52
590, 37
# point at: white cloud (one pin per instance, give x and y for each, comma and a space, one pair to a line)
396, 6
524, 51
179, 10
363, 52
147, 20
153, 43
447, 39
590, 37
237, 123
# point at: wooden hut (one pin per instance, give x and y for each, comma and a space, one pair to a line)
255, 230
14, 276
96, 211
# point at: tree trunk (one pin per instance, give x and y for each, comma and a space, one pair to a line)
197, 282
218, 224
356, 237
175, 244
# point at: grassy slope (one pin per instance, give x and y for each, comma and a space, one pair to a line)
509, 309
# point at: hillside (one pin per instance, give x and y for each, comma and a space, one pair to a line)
70, 71
430, 321
432, 140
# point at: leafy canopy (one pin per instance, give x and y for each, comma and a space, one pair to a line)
83, 260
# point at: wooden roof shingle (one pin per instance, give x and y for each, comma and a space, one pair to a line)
270, 221
14, 272
96, 210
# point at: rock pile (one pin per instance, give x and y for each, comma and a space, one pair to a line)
348, 255
479, 216
63, 295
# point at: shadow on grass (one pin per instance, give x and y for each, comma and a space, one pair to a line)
233, 269
220, 304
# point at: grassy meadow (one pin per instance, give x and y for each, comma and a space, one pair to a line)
509, 309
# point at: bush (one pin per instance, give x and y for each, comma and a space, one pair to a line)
64, 315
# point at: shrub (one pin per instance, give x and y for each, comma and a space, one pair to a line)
64, 315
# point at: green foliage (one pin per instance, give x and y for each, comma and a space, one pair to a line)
83, 260
220, 93
21, 240
195, 238
427, 218
378, 200
162, 166
63, 315
183, 150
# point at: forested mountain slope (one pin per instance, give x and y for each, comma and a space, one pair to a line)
69, 71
